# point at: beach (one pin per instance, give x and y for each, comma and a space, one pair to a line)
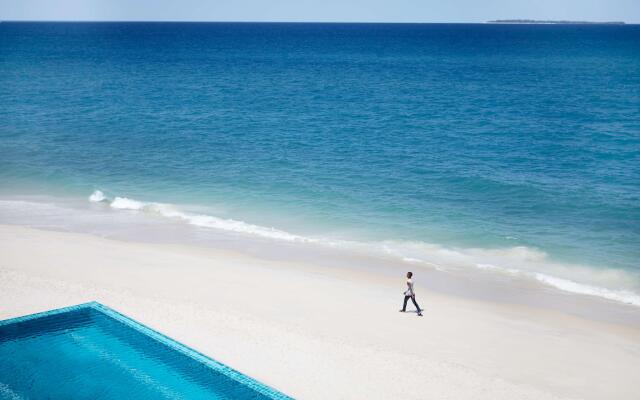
259, 191
316, 332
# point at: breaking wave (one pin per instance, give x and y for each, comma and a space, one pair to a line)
200, 220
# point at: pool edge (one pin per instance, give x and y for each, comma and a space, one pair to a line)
162, 338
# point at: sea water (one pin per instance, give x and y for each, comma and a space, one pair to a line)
512, 149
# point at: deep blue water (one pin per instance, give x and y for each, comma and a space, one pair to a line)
85, 353
466, 135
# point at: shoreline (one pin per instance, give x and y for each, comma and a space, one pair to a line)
276, 322
516, 275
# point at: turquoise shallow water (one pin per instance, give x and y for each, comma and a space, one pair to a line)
521, 138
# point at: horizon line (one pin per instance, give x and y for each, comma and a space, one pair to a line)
490, 22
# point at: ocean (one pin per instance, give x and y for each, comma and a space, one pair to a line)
508, 149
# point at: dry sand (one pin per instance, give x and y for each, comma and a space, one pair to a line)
320, 333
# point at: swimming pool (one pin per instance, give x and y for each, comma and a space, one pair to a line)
90, 351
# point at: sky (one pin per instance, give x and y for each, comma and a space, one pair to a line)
319, 10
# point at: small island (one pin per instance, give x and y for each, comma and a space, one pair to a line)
534, 21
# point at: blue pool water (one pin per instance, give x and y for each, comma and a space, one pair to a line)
92, 352
516, 145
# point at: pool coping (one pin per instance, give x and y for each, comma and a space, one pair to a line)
171, 343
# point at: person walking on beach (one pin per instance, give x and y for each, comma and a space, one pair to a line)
410, 294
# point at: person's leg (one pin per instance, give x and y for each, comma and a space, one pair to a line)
413, 298
404, 306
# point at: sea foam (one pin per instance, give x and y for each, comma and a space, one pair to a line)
566, 285
97, 196
209, 221
200, 220
123, 203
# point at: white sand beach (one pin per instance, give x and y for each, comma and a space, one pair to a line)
323, 333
